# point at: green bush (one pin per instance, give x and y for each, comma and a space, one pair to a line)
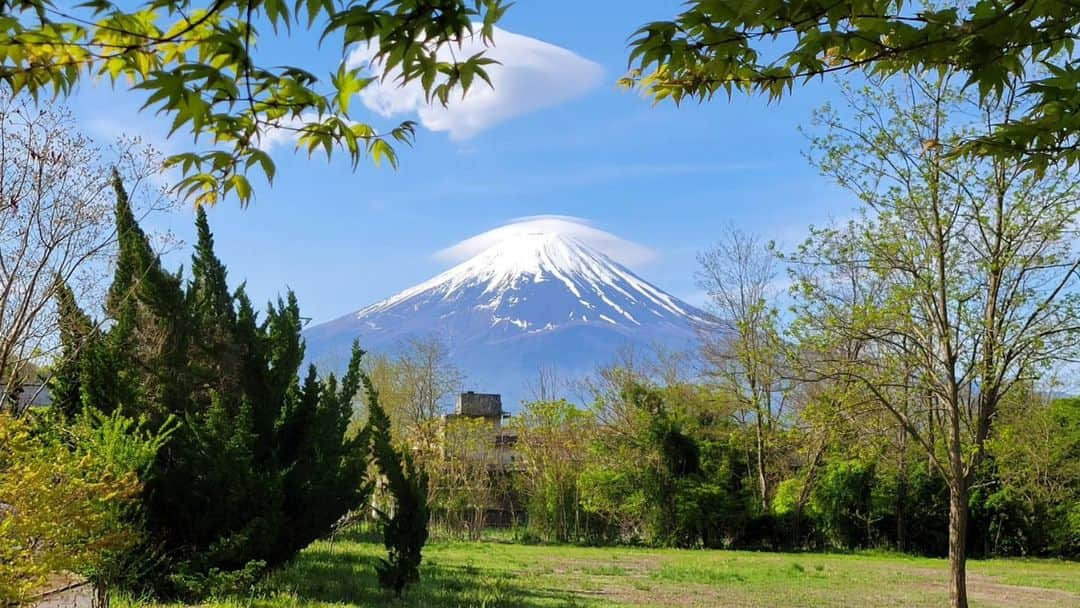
841, 505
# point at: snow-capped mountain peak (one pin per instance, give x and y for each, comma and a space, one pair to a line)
535, 298
501, 277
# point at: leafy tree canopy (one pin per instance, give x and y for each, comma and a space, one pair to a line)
199, 65
768, 46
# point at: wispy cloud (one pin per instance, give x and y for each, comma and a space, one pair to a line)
284, 135
618, 249
531, 75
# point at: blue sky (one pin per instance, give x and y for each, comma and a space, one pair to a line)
666, 178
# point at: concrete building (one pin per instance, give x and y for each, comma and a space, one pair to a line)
480, 405
487, 407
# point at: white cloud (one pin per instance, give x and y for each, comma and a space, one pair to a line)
619, 249
285, 135
531, 75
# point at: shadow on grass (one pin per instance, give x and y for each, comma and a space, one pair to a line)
348, 578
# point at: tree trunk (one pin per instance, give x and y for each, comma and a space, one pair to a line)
763, 480
901, 495
958, 515
804, 493
101, 597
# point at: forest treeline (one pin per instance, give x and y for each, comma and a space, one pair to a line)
657, 457
674, 464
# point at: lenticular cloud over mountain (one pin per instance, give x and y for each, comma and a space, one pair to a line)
575, 228
545, 291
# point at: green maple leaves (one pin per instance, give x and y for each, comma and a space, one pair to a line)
768, 46
199, 66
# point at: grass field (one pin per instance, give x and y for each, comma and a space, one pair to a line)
494, 575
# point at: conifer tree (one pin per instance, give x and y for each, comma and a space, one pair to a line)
149, 340
213, 317
75, 333
208, 287
322, 468
405, 528
260, 465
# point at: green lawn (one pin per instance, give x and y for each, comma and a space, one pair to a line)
493, 575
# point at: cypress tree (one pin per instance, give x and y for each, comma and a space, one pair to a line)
322, 466
208, 291
134, 257
76, 328
148, 306
215, 357
260, 466
405, 528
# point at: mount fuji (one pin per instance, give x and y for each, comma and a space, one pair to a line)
536, 299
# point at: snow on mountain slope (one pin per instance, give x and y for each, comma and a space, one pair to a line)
534, 299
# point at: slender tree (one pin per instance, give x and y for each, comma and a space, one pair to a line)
552, 441
415, 386
75, 333
743, 348
970, 268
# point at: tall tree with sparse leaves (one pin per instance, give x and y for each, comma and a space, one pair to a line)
954, 288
